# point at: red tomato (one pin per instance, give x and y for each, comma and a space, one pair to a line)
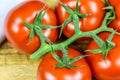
115, 23
18, 34
48, 71
109, 68
92, 7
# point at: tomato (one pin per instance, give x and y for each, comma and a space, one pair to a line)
108, 68
48, 71
92, 7
115, 23
18, 34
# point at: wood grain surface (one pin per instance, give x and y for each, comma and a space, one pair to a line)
15, 65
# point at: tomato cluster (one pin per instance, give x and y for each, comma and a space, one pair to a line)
23, 21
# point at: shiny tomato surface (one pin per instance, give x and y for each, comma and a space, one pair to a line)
48, 71
18, 34
109, 68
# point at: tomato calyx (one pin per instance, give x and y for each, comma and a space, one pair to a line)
111, 11
105, 47
74, 16
38, 23
65, 61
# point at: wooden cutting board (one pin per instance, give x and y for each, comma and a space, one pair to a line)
15, 65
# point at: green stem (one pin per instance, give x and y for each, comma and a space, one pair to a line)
47, 48
41, 51
70, 40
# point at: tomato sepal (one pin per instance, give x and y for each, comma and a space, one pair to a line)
105, 47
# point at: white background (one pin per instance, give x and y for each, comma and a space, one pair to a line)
5, 6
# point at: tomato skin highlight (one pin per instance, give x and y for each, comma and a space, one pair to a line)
109, 68
92, 7
18, 34
48, 71
115, 23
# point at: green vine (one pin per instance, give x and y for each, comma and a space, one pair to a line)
105, 47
